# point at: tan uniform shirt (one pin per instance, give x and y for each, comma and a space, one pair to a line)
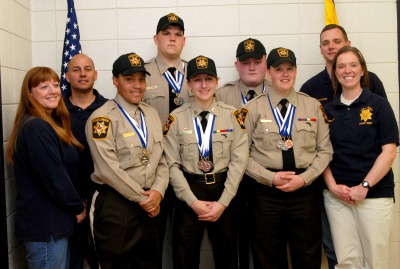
229, 148
157, 91
232, 93
311, 144
116, 147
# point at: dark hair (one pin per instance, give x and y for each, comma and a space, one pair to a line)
334, 26
364, 82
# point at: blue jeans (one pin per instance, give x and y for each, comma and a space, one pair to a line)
47, 255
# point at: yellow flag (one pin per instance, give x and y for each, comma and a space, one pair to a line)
330, 12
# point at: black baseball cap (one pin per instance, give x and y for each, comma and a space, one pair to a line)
200, 65
280, 55
170, 19
128, 64
250, 48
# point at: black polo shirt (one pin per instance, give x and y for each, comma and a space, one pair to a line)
358, 133
320, 86
79, 117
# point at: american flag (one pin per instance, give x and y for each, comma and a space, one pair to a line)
72, 44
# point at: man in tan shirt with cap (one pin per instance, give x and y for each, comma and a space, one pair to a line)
251, 64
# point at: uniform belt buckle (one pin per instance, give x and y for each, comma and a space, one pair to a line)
210, 176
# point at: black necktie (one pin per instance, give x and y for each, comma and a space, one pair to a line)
287, 155
250, 95
283, 102
172, 95
203, 122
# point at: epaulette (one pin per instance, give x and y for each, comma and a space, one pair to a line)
229, 83
144, 104
224, 105
149, 61
302, 93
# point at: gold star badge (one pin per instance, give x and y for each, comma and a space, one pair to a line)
249, 45
172, 17
134, 59
283, 53
366, 114
202, 62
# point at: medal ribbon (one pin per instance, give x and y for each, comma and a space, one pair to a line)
244, 98
176, 84
285, 124
204, 140
143, 134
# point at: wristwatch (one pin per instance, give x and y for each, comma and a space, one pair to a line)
365, 184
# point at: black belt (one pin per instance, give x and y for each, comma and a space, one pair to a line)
104, 187
297, 171
208, 178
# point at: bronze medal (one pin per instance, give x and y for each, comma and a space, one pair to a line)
289, 143
144, 156
205, 165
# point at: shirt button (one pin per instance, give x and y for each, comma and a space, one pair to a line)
348, 108
148, 165
131, 145
152, 95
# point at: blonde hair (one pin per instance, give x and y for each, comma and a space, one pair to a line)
59, 119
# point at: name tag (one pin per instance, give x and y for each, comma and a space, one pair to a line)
129, 134
151, 87
185, 132
265, 120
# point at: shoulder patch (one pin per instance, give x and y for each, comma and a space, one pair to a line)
100, 127
239, 119
167, 125
244, 111
324, 115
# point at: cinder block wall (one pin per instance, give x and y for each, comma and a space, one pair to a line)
32, 32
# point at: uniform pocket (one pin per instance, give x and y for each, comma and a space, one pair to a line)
307, 134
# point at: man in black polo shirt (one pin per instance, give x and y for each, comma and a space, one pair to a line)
81, 100
332, 38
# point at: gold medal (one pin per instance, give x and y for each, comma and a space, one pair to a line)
145, 156
288, 143
205, 165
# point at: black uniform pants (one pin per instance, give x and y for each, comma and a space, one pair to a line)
242, 222
280, 219
187, 231
124, 235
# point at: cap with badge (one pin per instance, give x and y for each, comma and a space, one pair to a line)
280, 55
128, 64
201, 65
170, 19
250, 48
